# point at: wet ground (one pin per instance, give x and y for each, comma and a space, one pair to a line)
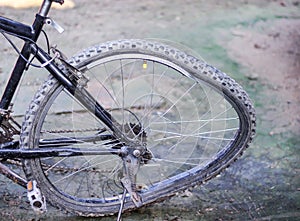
254, 41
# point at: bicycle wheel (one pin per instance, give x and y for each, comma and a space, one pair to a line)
194, 119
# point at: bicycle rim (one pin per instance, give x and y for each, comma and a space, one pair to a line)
193, 125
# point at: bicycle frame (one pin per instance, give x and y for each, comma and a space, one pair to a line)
30, 34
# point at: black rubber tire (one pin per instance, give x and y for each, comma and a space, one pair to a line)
195, 69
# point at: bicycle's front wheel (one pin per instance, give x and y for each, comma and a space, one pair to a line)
194, 119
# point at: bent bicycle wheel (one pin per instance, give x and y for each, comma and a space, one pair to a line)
193, 119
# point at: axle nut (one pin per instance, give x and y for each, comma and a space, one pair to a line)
136, 153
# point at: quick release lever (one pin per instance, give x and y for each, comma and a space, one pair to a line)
54, 24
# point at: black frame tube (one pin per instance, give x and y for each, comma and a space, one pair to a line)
54, 152
20, 65
78, 92
43, 57
30, 35
16, 28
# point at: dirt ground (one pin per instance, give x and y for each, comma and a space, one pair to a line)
257, 42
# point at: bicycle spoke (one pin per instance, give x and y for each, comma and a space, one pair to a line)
82, 169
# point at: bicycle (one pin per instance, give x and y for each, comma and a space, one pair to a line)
119, 125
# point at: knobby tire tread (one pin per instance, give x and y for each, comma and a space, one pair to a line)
204, 71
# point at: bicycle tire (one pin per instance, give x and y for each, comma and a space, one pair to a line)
196, 153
